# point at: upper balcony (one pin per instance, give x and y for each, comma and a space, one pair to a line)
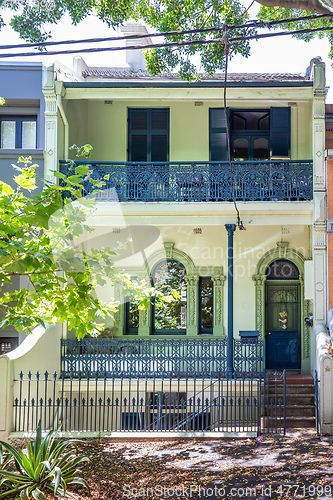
209, 181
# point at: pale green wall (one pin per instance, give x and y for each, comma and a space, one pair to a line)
104, 126
210, 249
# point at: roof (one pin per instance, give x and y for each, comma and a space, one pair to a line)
126, 74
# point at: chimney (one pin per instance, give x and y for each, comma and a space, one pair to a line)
135, 58
309, 69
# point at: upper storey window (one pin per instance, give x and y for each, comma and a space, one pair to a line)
148, 134
18, 132
254, 134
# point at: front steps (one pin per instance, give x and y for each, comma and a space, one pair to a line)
300, 401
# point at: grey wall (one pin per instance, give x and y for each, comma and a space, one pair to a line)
21, 87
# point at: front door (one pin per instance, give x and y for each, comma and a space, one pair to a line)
282, 325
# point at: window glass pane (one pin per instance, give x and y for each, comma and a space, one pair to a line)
168, 277
260, 149
159, 119
264, 122
206, 288
5, 347
28, 134
239, 122
241, 149
159, 148
132, 316
139, 148
8, 134
139, 119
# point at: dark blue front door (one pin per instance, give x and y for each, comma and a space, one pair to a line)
282, 325
282, 350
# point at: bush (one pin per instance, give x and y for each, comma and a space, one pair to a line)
50, 464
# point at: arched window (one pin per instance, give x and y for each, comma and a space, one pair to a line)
169, 317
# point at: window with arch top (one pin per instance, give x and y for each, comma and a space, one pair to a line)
169, 316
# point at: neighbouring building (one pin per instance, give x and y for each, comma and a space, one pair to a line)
22, 132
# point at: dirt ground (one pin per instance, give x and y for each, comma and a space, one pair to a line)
297, 466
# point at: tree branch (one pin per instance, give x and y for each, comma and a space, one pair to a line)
315, 6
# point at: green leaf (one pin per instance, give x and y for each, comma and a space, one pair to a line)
38, 495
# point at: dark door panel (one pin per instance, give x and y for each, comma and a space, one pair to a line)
283, 350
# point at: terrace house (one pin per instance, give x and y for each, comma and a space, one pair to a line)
175, 158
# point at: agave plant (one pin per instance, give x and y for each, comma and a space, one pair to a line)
50, 465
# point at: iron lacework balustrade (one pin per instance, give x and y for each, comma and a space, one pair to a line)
199, 181
159, 357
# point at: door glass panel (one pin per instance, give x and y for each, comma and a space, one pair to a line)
29, 135
8, 134
282, 308
241, 149
260, 149
239, 122
139, 148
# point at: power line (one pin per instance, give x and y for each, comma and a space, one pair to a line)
250, 24
169, 44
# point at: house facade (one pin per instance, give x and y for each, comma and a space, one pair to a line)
164, 145
224, 204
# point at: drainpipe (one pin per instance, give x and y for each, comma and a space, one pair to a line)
65, 122
230, 339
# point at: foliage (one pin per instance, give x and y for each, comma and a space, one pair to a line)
29, 19
40, 242
50, 465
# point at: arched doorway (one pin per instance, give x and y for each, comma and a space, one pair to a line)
283, 315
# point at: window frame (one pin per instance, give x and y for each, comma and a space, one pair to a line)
249, 134
148, 132
19, 119
278, 134
166, 331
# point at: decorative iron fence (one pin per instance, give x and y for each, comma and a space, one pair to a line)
153, 357
104, 405
199, 181
274, 403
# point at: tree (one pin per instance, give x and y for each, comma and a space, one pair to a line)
29, 19
39, 238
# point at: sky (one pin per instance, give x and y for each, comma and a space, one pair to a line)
283, 54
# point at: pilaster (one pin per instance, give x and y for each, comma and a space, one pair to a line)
51, 132
259, 283
218, 283
192, 305
319, 195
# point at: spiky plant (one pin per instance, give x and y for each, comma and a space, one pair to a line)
50, 465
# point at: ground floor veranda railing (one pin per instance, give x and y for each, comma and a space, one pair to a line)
105, 405
199, 181
157, 357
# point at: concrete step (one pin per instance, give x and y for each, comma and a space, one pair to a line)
291, 422
291, 411
292, 389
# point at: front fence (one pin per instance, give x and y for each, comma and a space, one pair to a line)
274, 403
150, 357
199, 181
111, 404
104, 405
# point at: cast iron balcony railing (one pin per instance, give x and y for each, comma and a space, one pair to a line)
199, 181
159, 357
